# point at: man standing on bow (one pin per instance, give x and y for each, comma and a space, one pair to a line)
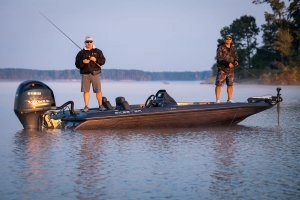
227, 60
89, 61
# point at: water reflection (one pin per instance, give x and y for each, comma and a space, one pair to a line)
150, 161
139, 162
224, 154
91, 170
190, 163
31, 151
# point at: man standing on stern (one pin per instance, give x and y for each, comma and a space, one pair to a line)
89, 61
227, 60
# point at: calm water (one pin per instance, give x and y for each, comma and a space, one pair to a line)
255, 160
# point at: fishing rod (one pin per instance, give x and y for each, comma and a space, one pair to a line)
51, 22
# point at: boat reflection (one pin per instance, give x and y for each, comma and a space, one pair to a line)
96, 163
32, 153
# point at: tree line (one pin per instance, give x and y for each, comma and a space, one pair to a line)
277, 60
107, 74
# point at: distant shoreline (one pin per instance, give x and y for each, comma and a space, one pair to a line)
107, 74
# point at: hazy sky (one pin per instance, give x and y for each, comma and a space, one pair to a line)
149, 35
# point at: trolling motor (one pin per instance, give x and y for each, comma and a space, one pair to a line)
279, 99
33, 99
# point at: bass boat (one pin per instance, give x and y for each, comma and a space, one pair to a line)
36, 108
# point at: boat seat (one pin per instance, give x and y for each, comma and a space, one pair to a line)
122, 104
106, 104
163, 99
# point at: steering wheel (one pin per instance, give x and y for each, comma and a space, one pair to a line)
149, 101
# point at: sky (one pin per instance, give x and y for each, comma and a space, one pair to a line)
148, 35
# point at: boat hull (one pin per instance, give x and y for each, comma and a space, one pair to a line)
175, 117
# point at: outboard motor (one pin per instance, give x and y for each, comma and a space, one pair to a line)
32, 100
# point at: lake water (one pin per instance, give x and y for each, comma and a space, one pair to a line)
257, 159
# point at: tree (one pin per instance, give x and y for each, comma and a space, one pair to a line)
294, 14
281, 33
281, 36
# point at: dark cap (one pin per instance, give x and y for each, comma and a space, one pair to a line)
228, 36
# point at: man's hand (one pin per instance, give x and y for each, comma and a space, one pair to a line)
86, 61
235, 63
92, 58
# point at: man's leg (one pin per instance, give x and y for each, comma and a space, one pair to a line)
85, 88
86, 98
99, 98
229, 82
97, 88
220, 79
229, 92
218, 92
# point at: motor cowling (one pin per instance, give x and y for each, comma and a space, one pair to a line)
32, 100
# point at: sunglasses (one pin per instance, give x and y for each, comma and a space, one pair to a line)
88, 41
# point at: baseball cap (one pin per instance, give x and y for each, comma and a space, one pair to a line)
89, 38
228, 36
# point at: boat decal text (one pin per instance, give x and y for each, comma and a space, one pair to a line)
127, 112
122, 112
38, 102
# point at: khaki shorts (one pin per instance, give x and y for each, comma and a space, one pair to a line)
87, 80
224, 76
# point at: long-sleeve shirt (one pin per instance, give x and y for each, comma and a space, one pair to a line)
91, 67
225, 56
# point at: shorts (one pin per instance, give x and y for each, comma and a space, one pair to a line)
87, 80
224, 76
